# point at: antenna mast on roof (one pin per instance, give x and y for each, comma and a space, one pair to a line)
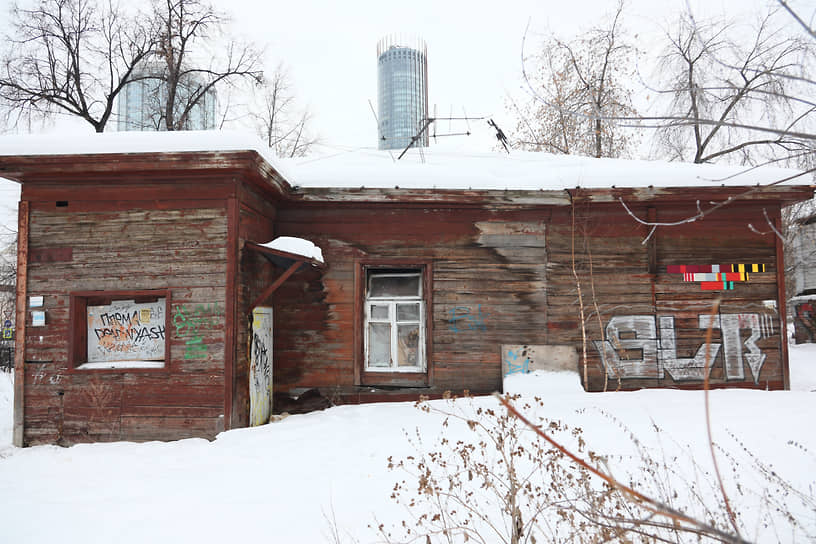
432, 120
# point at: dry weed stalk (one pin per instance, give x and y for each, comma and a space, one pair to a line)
655, 506
604, 362
502, 487
580, 295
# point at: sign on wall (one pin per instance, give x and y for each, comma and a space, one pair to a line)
8, 330
126, 331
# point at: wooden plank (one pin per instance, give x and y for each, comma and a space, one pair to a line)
652, 244
20, 324
230, 347
144, 428
274, 285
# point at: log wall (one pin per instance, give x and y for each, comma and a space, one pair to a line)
84, 247
256, 224
657, 330
489, 273
506, 277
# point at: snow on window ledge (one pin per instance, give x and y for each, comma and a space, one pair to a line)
120, 365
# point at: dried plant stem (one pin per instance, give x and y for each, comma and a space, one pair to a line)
600, 323
580, 296
731, 517
644, 501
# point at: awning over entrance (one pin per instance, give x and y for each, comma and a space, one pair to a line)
288, 254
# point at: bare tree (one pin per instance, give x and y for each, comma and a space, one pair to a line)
719, 84
196, 59
578, 87
278, 119
72, 57
77, 56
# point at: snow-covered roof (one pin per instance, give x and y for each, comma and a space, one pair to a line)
131, 142
426, 169
517, 171
136, 142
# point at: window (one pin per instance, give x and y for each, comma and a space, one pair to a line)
119, 329
394, 322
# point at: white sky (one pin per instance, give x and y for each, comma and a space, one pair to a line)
474, 51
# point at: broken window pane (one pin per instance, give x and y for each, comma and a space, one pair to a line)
393, 286
379, 344
408, 345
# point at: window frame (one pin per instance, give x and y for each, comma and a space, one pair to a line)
78, 326
392, 376
393, 320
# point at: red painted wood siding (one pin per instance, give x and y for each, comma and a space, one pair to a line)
128, 249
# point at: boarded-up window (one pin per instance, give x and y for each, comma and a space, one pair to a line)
125, 329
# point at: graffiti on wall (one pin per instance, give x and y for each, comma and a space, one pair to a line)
526, 358
189, 321
467, 318
656, 340
716, 277
260, 367
515, 360
126, 331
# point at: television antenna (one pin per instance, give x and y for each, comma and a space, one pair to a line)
428, 121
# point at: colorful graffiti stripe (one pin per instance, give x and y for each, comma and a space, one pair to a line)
703, 268
716, 277
717, 285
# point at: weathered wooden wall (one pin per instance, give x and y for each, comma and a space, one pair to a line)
489, 273
617, 280
256, 224
84, 247
505, 277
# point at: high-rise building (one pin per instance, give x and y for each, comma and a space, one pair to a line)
141, 103
402, 81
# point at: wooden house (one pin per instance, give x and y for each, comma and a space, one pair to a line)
146, 293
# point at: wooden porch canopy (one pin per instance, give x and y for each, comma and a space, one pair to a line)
288, 262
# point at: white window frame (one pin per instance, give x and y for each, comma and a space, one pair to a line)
392, 303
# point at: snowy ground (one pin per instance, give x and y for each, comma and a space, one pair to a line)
282, 481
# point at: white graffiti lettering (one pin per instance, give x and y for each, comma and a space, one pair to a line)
642, 327
645, 346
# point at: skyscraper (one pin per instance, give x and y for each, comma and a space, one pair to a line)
402, 81
142, 101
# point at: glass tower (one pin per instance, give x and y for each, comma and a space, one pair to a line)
402, 94
142, 100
